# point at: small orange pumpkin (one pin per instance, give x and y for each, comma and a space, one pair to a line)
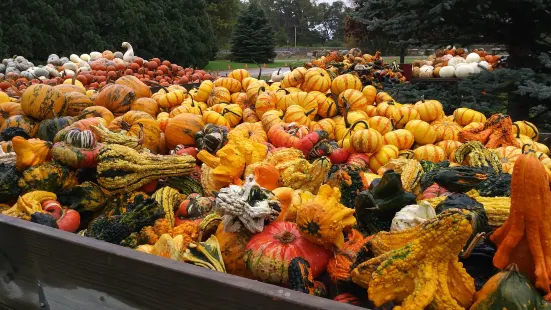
41, 101
116, 98
182, 129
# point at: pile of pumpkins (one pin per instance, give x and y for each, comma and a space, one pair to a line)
261, 155
454, 63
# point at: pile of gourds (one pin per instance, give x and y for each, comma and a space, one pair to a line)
315, 183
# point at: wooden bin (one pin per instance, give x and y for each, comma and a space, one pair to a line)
44, 268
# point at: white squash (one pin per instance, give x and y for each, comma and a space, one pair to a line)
411, 216
463, 70
95, 55
456, 61
118, 55
426, 72
447, 72
69, 72
277, 76
484, 64
85, 57
476, 69
129, 54
70, 66
473, 57
74, 58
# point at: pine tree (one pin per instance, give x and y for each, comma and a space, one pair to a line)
253, 36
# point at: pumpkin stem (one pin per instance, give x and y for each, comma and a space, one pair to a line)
329, 109
423, 98
393, 122
286, 237
158, 84
354, 126
309, 112
73, 80
279, 70
125, 125
524, 148
260, 67
518, 131
225, 111
346, 109
261, 88
283, 89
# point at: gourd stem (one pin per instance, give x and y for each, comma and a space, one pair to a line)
310, 112
286, 237
261, 88
524, 147
229, 111
393, 122
346, 109
158, 84
329, 109
354, 126
518, 130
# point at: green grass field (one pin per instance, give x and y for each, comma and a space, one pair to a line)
222, 65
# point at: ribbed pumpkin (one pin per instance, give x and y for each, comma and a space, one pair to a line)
215, 118
380, 123
298, 114
162, 120
344, 82
370, 93
116, 98
287, 135
147, 105
29, 125
316, 79
253, 131
8, 109
265, 102
429, 110
475, 125
383, 156
233, 114
68, 88
246, 82
382, 97
271, 118
446, 129
140, 88
407, 114
422, 131
182, 129
171, 99
139, 124
371, 110
430, 152
254, 90
239, 74
42, 101
325, 124
465, 116
449, 146
354, 99
327, 107
76, 103
366, 141
231, 84
97, 111
389, 109
306, 100
240, 99
232, 248
204, 91
344, 123
295, 78
527, 129
249, 116
218, 95
401, 138
508, 156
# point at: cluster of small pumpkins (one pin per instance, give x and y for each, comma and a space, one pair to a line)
452, 62
262, 155
96, 70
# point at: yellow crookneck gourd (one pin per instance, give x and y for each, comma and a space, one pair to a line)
29, 204
32, 152
419, 267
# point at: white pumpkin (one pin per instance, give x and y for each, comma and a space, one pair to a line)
473, 57
456, 61
476, 69
69, 72
484, 64
95, 55
74, 58
426, 72
464, 70
70, 66
85, 57
411, 216
277, 76
447, 72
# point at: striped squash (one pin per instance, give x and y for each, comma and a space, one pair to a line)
204, 91
136, 124
449, 146
429, 110
218, 95
366, 141
316, 79
308, 101
400, 138
295, 78
42, 101
116, 98
140, 88
430, 152
465, 116
526, 128
344, 82
239, 74
381, 124
370, 93
446, 129
231, 84
383, 156
76, 103
508, 156
353, 99
407, 114
171, 99
422, 131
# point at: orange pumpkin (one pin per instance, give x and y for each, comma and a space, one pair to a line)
344, 82
140, 88
231, 84
182, 129
287, 135
8, 109
326, 124
249, 116
446, 129
383, 156
465, 116
449, 146
265, 102
97, 111
353, 99
240, 99
382, 97
316, 79
69, 88
370, 93
116, 98
232, 248
204, 91
139, 124
407, 114
76, 103
508, 156
42, 101
430, 152
162, 120
422, 131
389, 109
251, 131
382, 124
239, 74
147, 105
429, 110
401, 138
366, 141
29, 125
371, 110
298, 114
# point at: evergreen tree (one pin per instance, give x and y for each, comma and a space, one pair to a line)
222, 14
253, 36
523, 26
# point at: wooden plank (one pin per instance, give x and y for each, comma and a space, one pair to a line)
83, 273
